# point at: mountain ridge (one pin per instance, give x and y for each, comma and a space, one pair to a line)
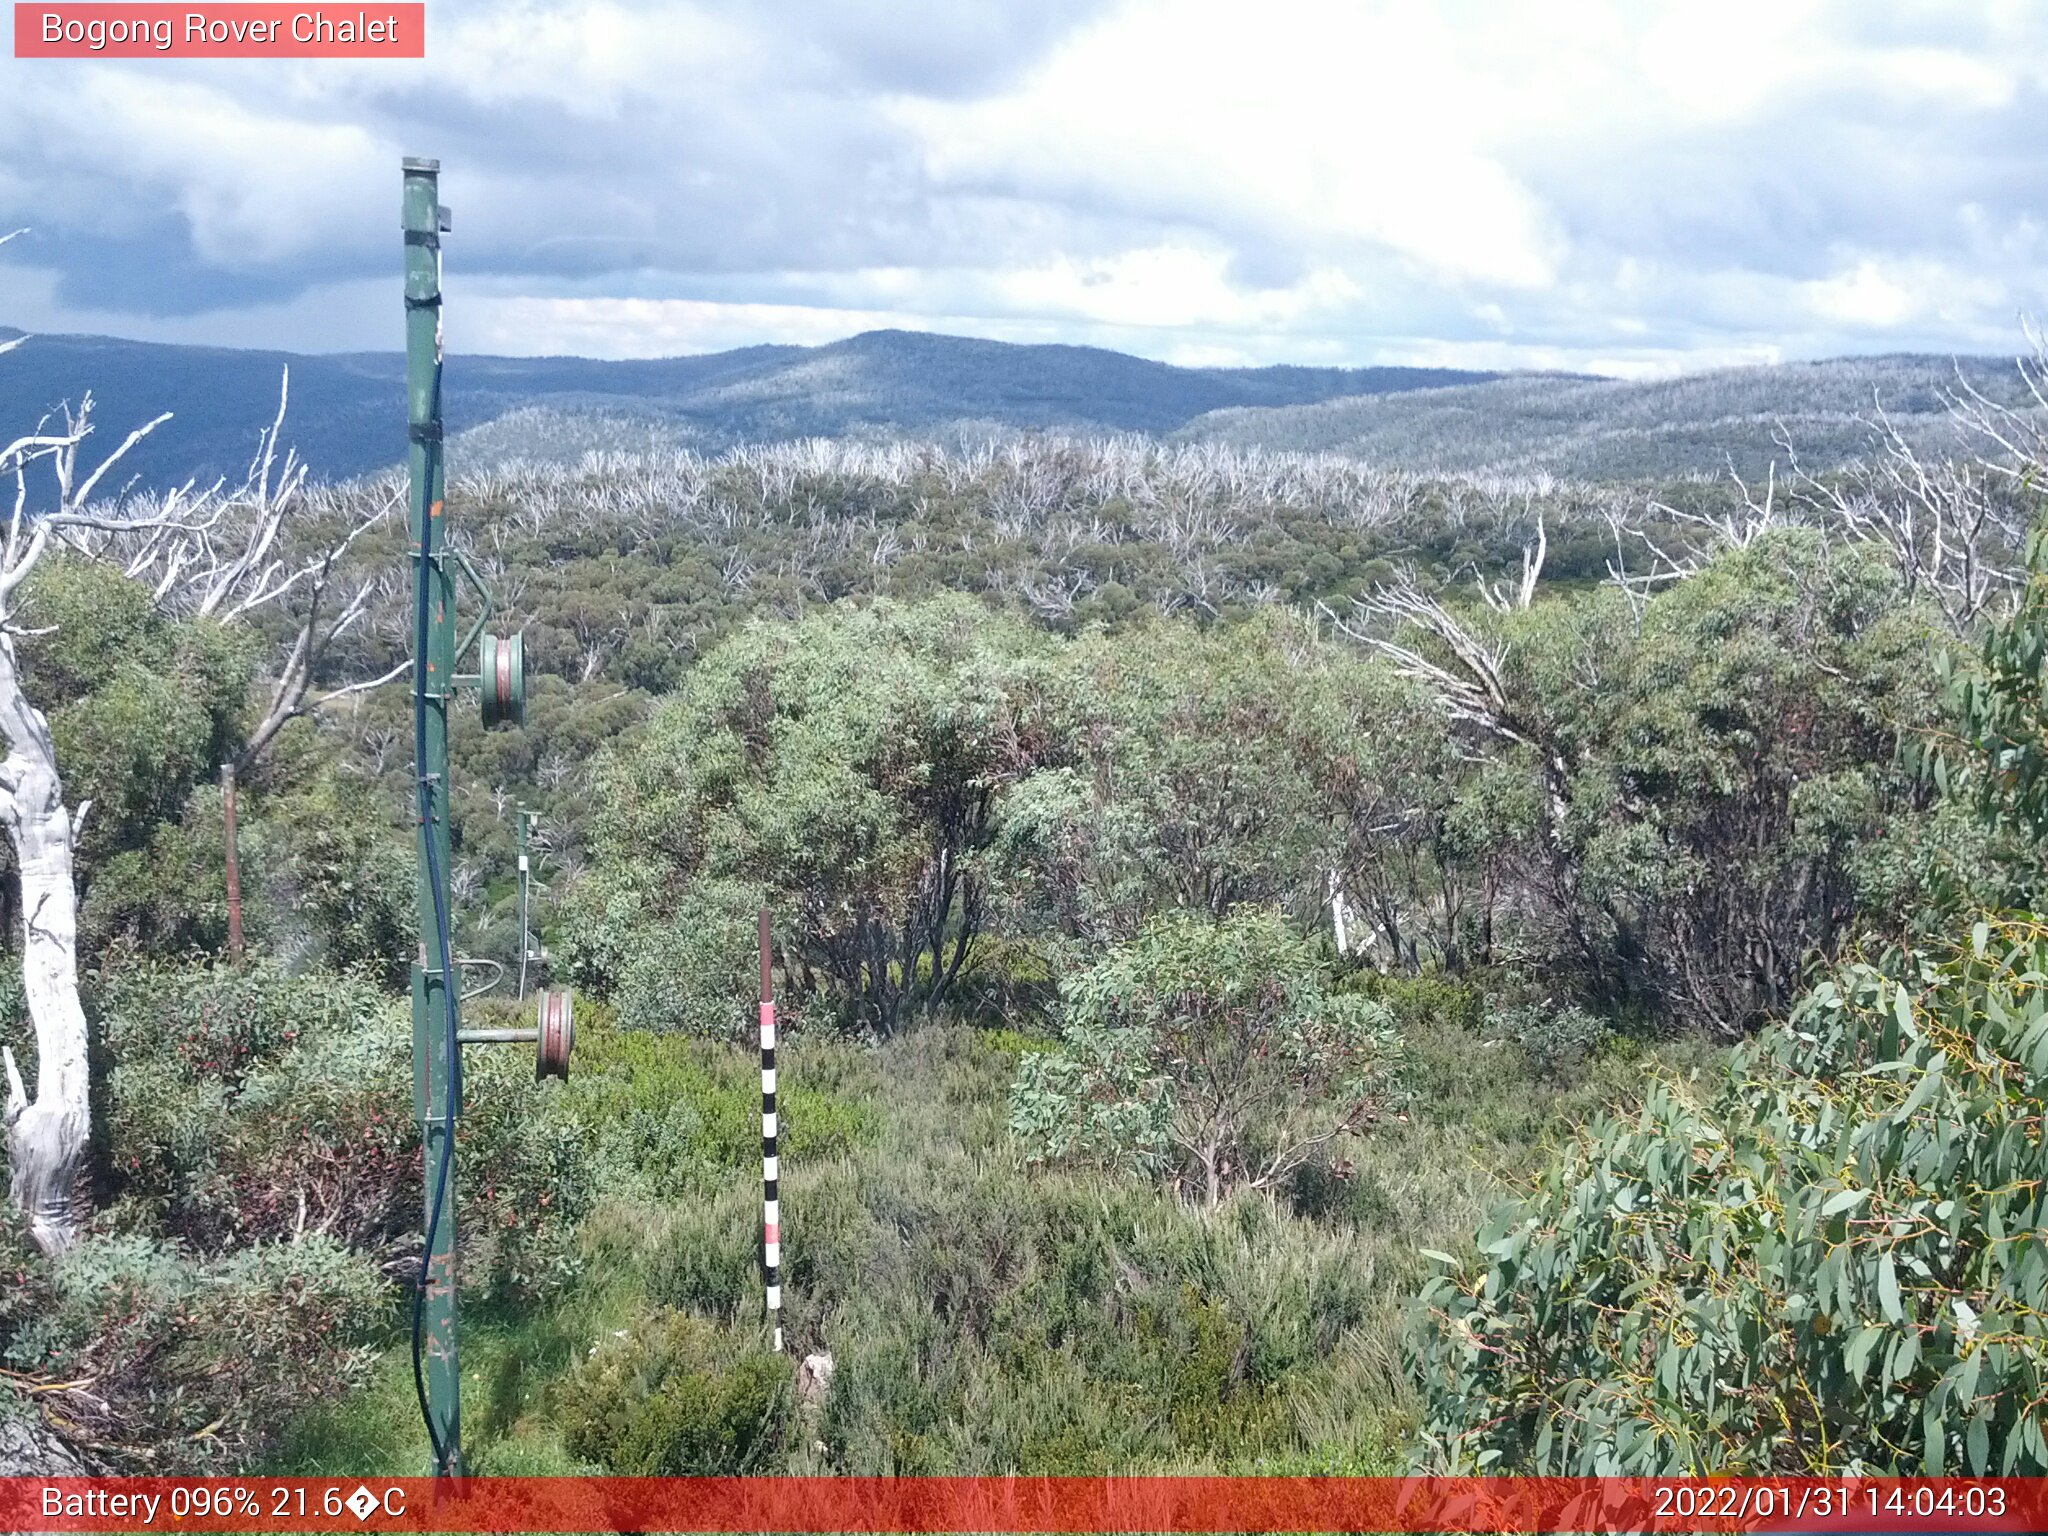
1621, 429
347, 412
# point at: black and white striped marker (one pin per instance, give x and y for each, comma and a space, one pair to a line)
771, 1205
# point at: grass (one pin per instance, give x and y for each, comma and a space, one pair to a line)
985, 1317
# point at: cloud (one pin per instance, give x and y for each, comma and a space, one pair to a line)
1586, 183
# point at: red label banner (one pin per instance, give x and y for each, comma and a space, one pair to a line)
373, 30
1034, 1504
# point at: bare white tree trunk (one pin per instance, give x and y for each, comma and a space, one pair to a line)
46, 1136
1339, 915
214, 553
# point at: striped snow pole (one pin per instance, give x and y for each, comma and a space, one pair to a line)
771, 1205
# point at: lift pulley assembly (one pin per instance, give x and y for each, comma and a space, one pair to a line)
557, 1034
553, 1036
501, 670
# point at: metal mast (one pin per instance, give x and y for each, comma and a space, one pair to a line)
437, 1067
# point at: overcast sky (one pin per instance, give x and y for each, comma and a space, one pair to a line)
1630, 187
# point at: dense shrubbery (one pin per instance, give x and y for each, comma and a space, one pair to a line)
1115, 792
848, 769
140, 706
1830, 1265
663, 1116
262, 1166
1213, 1053
252, 1105
987, 1317
678, 1398
1833, 1262
1717, 776
153, 1355
1670, 812
1208, 769
1557, 1038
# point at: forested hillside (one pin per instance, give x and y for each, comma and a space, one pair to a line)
1609, 429
880, 385
887, 387
1288, 965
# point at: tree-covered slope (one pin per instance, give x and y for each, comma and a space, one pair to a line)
1608, 429
348, 415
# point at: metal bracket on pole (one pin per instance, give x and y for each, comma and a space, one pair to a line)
488, 606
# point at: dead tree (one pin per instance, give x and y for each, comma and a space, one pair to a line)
241, 560
47, 1134
1499, 596
1953, 525
1464, 670
207, 552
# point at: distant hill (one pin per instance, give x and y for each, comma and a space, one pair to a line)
348, 417
348, 414
1610, 429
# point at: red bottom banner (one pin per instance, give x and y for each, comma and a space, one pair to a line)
808, 1504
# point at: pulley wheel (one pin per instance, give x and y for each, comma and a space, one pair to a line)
557, 1035
501, 668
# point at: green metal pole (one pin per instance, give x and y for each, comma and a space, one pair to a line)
436, 1084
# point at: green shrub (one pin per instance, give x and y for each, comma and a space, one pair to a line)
199, 1361
1555, 1039
335, 881
1214, 1053
986, 1320
252, 1103
697, 972
669, 1113
527, 1177
1829, 1266
167, 897
678, 1398
1427, 998
705, 1255
846, 767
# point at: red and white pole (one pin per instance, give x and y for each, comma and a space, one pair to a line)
771, 1205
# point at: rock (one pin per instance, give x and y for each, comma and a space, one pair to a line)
814, 1378
28, 1449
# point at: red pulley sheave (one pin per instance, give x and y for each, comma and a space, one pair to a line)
501, 668
557, 1035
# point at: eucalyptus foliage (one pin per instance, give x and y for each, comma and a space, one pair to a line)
846, 768
1213, 1053
1834, 1261
1997, 758
1831, 1264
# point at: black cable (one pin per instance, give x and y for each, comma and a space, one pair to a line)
452, 1085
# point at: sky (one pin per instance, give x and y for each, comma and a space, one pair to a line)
1634, 188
